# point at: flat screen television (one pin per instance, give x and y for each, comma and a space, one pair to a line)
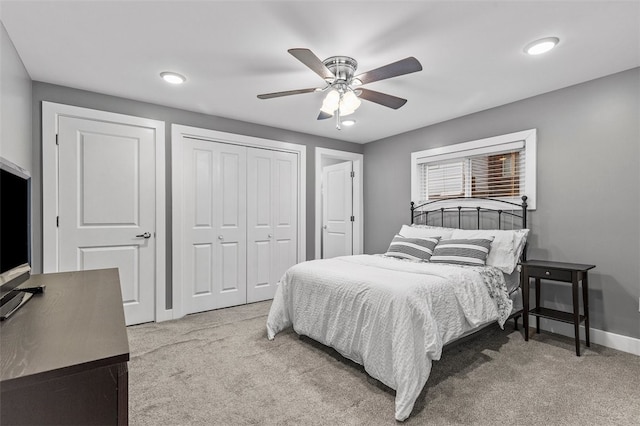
15, 232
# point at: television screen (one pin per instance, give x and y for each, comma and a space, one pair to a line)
15, 216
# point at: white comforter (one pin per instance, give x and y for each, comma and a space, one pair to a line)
390, 315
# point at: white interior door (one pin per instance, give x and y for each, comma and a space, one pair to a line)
107, 206
215, 248
337, 210
272, 203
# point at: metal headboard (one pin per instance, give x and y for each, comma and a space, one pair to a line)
468, 207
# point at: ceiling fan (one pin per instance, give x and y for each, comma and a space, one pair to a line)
344, 87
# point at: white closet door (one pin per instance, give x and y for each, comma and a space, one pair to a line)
285, 206
260, 227
272, 191
214, 225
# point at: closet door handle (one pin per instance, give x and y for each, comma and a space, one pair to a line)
146, 235
220, 237
270, 236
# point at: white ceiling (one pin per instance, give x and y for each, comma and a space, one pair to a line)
230, 51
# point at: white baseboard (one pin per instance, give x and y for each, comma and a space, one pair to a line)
599, 337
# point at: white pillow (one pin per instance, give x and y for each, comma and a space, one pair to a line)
425, 231
506, 247
521, 241
512, 280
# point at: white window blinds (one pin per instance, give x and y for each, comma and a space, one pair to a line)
443, 180
497, 175
494, 175
499, 167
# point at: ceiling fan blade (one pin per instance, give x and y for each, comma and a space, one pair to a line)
308, 58
286, 93
401, 67
323, 115
381, 98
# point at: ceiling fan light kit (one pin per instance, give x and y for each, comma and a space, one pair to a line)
344, 100
344, 96
349, 103
331, 102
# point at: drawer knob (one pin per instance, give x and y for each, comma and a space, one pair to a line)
547, 273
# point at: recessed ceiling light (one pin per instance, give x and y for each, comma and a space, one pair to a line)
541, 46
172, 77
349, 122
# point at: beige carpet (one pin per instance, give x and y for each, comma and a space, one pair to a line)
218, 368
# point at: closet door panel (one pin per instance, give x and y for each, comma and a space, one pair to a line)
259, 223
214, 191
203, 197
198, 284
285, 206
261, 267
272, 190
230, 256
202, 269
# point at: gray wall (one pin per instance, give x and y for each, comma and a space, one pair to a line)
15, 105
81, 98
588, 186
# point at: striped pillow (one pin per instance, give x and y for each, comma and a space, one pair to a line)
462, 252
412, 248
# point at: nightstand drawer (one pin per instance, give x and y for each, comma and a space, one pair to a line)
552, 274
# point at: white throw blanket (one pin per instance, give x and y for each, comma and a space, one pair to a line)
391, 316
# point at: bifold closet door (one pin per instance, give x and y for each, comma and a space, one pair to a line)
215, 235
272, 203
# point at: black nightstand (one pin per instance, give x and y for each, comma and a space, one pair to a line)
557, 271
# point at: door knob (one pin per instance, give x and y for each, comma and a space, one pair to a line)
220, 237
324, 227
146, 235
269, 235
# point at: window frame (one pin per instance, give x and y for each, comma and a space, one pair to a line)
488, 146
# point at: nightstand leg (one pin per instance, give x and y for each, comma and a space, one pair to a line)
585, 307
537, 304
576, 312
525, 303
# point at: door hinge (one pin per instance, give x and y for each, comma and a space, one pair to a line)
353, 174
353, 218
57, 221
57, 139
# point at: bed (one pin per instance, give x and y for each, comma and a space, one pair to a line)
436, 283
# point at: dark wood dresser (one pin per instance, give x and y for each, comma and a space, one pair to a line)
64, 354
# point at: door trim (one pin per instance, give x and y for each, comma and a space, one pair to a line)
358, 205
51, 112
178, 133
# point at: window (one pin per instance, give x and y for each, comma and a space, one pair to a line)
502, 167
442, 180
